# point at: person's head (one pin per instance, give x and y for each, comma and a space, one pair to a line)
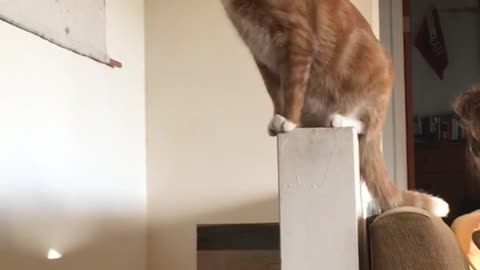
467, 107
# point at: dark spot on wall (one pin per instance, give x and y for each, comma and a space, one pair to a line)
67, 30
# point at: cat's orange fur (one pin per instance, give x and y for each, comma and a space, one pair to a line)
320, 58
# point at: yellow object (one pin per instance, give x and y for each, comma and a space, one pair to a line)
464, 227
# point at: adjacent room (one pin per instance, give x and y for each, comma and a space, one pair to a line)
440, 166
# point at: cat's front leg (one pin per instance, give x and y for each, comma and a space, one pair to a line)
295, 74
294, 79
273, 84
278, 124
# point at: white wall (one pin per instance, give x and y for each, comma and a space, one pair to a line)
431, 95
72, 150
209, 157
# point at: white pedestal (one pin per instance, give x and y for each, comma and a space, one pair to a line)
321, 216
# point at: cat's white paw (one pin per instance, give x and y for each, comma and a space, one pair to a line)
440, 208
280, 124
340, 121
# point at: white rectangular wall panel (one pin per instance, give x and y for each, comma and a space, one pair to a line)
77, 25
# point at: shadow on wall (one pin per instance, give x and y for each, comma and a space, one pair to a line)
93, 242
172, 243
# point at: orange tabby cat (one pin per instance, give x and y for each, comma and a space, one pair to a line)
323, 66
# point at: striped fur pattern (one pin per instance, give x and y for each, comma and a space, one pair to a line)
321, 62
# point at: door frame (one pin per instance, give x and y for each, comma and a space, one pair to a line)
398, 133
409, 113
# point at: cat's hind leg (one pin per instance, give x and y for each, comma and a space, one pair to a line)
339, 121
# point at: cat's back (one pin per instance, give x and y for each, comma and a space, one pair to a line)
265, 25
283, 15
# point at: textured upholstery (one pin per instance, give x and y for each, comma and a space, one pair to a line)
412, 239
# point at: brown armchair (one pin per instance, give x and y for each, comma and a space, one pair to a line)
413, 239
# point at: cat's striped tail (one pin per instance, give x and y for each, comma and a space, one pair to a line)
432, 204
383, 191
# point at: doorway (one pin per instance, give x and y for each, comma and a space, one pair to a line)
434, 76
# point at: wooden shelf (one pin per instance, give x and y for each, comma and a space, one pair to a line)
440, 169
460, 10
